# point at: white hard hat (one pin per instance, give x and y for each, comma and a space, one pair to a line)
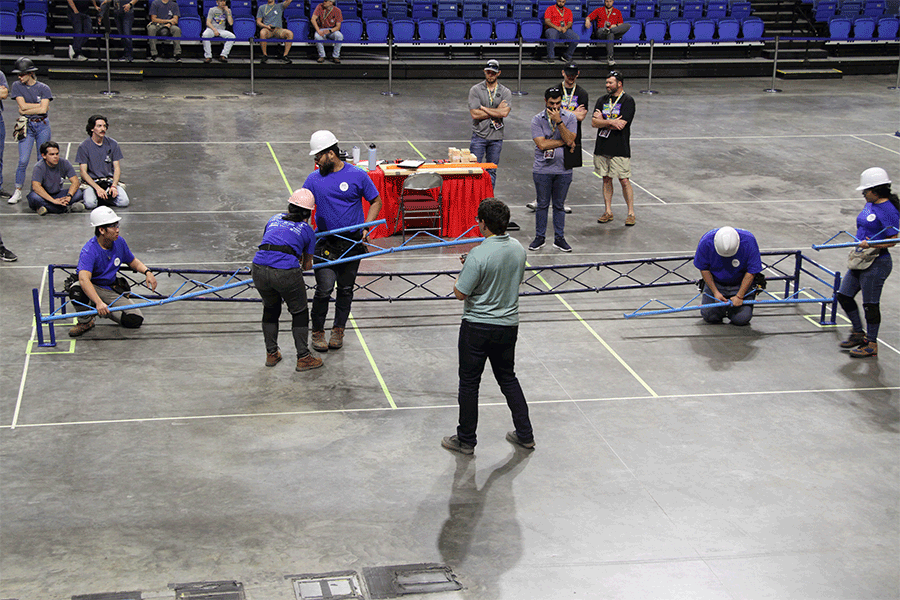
103, 215
727, 241
872, 177
303, 198
321, 140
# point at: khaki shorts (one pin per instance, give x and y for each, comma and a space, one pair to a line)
618, 167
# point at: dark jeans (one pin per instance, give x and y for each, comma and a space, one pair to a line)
277, 285
124, 22
344, 275
81, 23
35, 201
551, 189
479, 342
870, 281
740, 315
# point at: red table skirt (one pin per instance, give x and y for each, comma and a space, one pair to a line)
462, 195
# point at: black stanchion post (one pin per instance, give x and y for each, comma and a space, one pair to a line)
390, 91
109, 91
650, 89
252, 92
519, 91
773, 89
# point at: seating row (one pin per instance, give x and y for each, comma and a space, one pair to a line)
825, 10
863, 28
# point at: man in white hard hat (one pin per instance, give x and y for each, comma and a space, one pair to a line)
339, 189
729, 263
98, 269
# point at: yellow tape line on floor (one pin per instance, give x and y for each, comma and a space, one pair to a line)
599, 339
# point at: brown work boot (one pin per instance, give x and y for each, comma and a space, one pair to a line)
308, 362
80, 328
337, 338
318, 341
273, 359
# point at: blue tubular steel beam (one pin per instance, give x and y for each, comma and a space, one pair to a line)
351, 228
856, 241
669, 311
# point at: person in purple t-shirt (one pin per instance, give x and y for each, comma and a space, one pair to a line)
729, 263
98, 267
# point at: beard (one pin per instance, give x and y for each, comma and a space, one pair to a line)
326, 168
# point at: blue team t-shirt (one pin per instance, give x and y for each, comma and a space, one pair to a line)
51, 178
281, 232
338, 196
271, 14
728, 270
873, 218
32, 94
102, 263
99, 159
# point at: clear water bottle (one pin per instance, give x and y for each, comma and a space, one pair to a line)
373, 157
355, 155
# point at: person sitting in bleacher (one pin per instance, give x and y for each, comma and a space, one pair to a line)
164, 15
558, 22
607, 24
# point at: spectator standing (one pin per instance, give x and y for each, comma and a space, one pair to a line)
98, 158
612, 117
489, 104
218, 20
47, 193
869, 264
270, 19
606, 23
33, 99
123, 12
81, 24
729, 261
4, 94
488, 284
286, 251
164, 15
553, 131
558, 25
326, 20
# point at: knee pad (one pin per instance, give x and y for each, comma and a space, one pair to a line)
76, 294
271, 314
130, 321
301, 319
873, 313
847, 303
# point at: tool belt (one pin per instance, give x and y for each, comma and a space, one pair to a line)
278, 248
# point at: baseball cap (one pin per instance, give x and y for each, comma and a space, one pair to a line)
492, 65
571, 68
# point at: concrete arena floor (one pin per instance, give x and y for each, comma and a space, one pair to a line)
674, 459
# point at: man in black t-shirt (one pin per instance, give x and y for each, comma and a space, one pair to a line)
612, 117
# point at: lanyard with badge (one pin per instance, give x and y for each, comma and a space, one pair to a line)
495, 123
610, 109
550, 153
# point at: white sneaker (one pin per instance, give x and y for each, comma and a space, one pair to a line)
81, 58
567, 210
71, 53
532, 206
14, 199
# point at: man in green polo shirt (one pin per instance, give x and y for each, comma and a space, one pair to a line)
489, 286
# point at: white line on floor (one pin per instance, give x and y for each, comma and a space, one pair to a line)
28, 354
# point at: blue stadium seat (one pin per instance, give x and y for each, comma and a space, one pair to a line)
377, 30
669, 11
887, 28
397, 9
240, 8
481, 29
498, 10
472, 9
371, 9
403, 30
644, 10
191, 26
752, 29
692, 10
187, 8
634, 32
299, 26
295, 11
454, 29
679, 30
626, 7
863, 28
740, 10
839, 28
447, 9
577, 9
716, 10
873, 8
244, 27
506, 30
655, 29
348, 9
825, 10
352, 29
523, 9
422, 9
429, 30
531, 29
34, 23
704, 30
729, 30
850, 9
9, 20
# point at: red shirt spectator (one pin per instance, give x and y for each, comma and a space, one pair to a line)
601, 16
558, 17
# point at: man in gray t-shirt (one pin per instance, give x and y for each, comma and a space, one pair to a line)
47, 194
270, 20
164, 15
98, 158
489, 103
217, 21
